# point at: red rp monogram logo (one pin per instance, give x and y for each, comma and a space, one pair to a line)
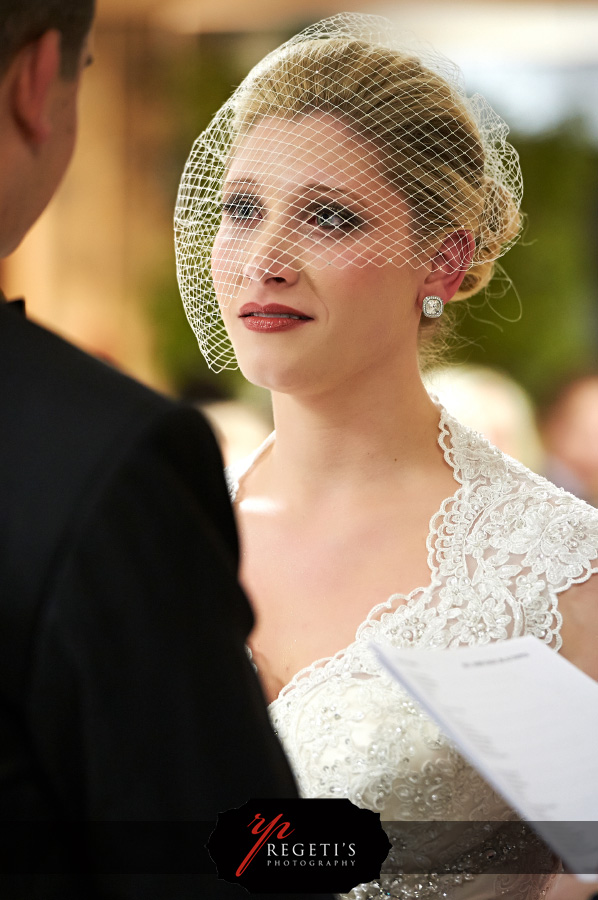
265, 830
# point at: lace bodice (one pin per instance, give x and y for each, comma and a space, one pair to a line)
499, 550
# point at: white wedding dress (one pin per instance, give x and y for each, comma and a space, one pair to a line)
500, 551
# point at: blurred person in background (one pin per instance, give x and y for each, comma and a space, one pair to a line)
125, 690
569, 425
345, 195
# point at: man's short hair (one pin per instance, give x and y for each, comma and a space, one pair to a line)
23, 21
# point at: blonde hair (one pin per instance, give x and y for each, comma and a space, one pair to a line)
425, 127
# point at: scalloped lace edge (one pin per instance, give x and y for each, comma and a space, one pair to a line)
450, 431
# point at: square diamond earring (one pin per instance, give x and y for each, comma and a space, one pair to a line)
432, 307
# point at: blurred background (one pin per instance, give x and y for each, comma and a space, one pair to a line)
99, 266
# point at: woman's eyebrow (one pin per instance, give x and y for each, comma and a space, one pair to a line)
310, 186
240, 182
313, 186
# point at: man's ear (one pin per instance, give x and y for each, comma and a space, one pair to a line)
449, 265
35, 71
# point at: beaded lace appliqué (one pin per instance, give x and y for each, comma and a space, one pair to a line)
499, 551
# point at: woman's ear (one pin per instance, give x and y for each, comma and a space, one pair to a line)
35, 71
449, 265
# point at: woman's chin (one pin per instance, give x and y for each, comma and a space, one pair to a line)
277, 375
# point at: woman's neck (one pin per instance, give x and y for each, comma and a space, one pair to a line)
364, 435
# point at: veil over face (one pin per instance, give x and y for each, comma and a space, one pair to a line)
438, 161
309, 246
305, 192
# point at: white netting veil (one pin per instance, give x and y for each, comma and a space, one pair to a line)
351, 144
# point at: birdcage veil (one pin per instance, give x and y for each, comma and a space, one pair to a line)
439, 161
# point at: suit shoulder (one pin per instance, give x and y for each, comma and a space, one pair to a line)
64, 414
71, 427
36, 363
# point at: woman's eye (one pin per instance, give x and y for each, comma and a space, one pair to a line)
335, 218
242, 209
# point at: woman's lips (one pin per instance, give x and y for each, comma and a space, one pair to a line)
272, 317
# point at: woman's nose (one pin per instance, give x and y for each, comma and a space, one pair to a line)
269, 270
272, 260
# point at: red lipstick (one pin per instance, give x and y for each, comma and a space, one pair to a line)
271, 317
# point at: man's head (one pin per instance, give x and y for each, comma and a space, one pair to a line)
24, 21
43, 50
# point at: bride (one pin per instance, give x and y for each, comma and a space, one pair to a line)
346, 194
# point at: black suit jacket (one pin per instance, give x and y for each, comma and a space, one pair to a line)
125, 691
